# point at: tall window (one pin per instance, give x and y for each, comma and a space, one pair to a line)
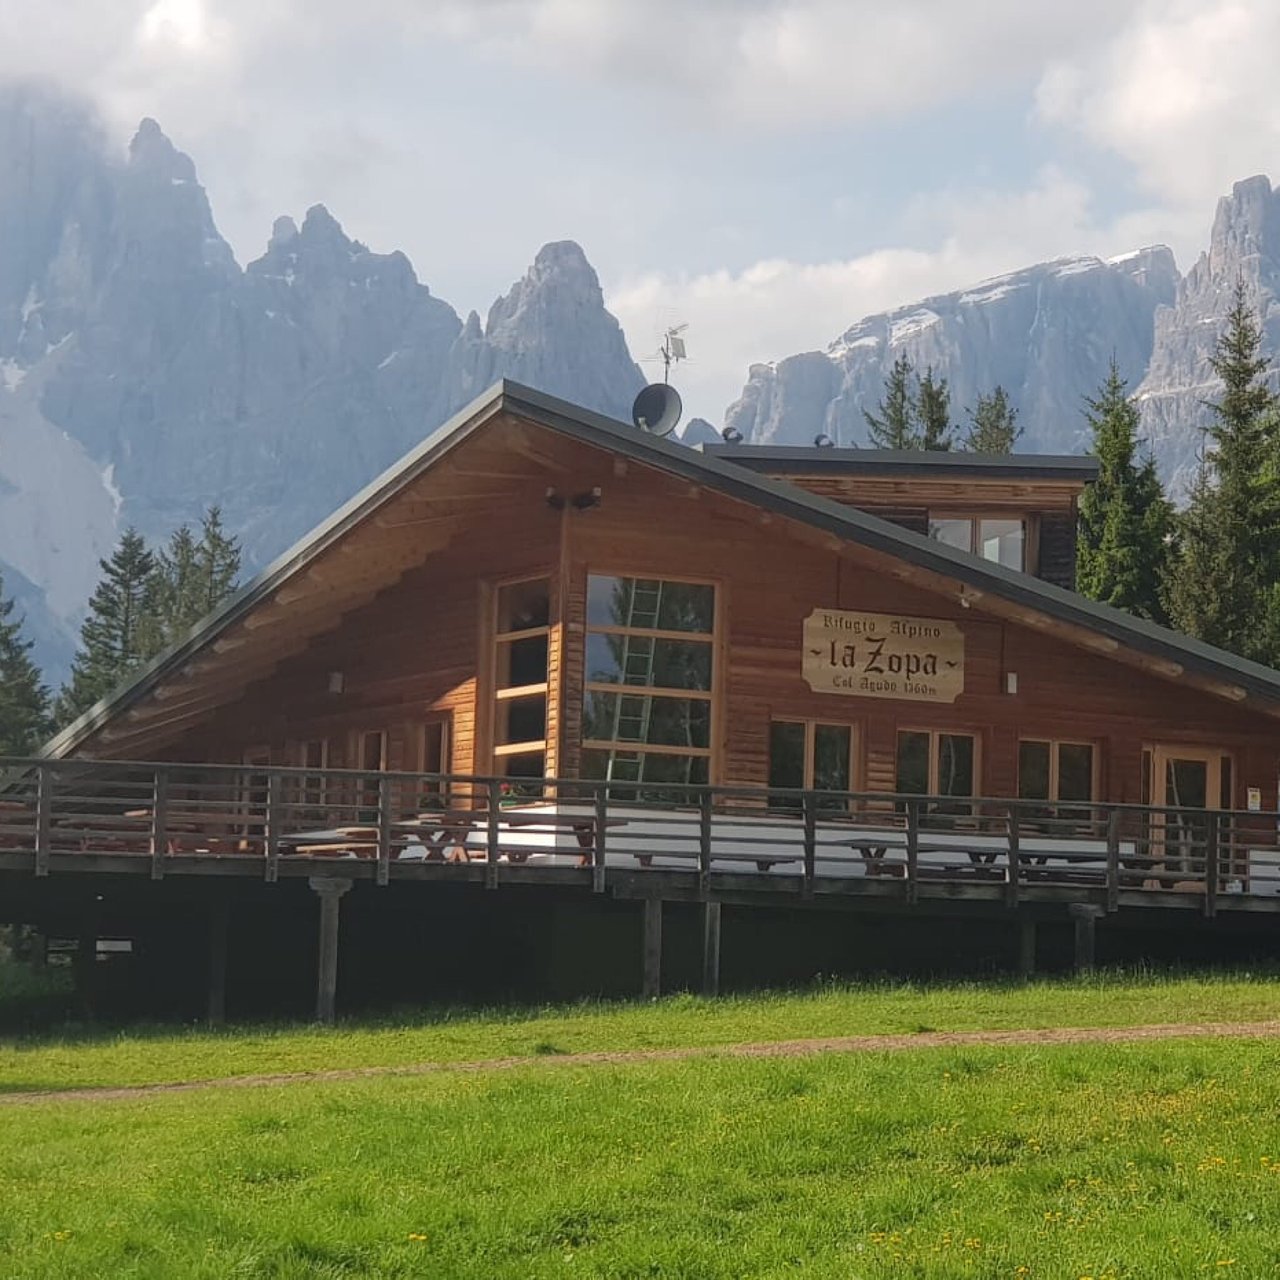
937, 764
372, 746
997, 539
522, 629
647, 705
433, 757
814, 757
313, 754
1055, 771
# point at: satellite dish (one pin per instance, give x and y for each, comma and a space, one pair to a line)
657, 409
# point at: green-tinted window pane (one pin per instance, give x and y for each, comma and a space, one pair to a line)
1033, 770
528, 764
913, 764
955, 764
524, 605
671, 722
648, 603
1075, 771
643, 776
786, 754
645, 660
952, 533
831, 750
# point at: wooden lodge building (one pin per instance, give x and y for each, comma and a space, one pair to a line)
557, 706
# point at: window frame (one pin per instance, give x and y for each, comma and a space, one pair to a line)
811, 724
711, 695
975, 517
502, 752
1055, 769
935, 761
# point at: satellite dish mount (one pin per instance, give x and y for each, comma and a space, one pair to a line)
658, 407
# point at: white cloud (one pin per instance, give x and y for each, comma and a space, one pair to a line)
1186, 93
779, 307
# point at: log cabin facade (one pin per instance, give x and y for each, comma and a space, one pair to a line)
537, 593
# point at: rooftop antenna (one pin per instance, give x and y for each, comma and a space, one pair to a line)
657, 408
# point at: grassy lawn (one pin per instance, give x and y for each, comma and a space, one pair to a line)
141, 1056
1156, 1160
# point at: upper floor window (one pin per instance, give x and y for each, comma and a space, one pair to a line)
521, 650
995, 538
647, 705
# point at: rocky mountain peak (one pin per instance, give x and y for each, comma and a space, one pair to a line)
284, 231
152, 153
1246, 226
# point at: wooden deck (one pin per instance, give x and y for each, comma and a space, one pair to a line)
69, 818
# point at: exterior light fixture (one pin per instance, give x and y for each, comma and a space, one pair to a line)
337, 682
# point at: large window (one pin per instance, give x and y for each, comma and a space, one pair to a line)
812, 757
647, 705
1060, 774
937, 764
998, 539
522, 630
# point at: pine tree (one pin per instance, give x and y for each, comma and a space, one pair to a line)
218, 562
993, 424
25, 720
896, 425
119, 633
1221, 586
1125, 518
933, 410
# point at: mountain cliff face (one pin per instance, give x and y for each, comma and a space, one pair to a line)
1046, 334
145, 375
1244, 245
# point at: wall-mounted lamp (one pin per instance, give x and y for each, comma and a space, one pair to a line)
1011, 682
337, 682
583, 501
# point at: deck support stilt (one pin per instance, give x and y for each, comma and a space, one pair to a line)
216, 1007
652, 982
710, 948
1085, 915
330, 890
1026, 948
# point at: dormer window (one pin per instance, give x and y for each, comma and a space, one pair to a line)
996, 538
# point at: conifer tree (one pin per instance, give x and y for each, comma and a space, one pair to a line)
191, 579
896, 425
993, 424
933, 411
1125, 518
25, 720
218, 562
119, 633
1222, 584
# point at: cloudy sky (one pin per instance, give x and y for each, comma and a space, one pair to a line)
767, 170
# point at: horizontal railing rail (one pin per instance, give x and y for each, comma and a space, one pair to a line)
172, 810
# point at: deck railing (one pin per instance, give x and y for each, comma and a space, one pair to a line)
168, 812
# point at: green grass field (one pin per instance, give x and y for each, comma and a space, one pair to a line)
149, 1055
1156, 1160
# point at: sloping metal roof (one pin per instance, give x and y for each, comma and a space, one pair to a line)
918, 462
704, 468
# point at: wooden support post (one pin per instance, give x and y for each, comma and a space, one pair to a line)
44, 815
1011, 889
491, 841
159, 823
704, 844
1212, 864
652, 985
1026, 947
913, 849
710, 948
598, 853
385, 818
810, 843
330, 889
1085, 915
271, 830
1113, 860
216, 1007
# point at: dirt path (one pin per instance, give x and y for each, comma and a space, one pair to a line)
766, 1049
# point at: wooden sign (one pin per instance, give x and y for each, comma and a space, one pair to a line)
883, 655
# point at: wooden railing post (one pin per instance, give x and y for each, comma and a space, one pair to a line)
913, 849
385, 820
704, 843
159, 822
491, 836
810, 842
1211, 843
1113, 861
271, 832
1012, 887
598, 844
44, 817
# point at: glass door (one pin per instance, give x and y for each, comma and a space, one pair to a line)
1188, 784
